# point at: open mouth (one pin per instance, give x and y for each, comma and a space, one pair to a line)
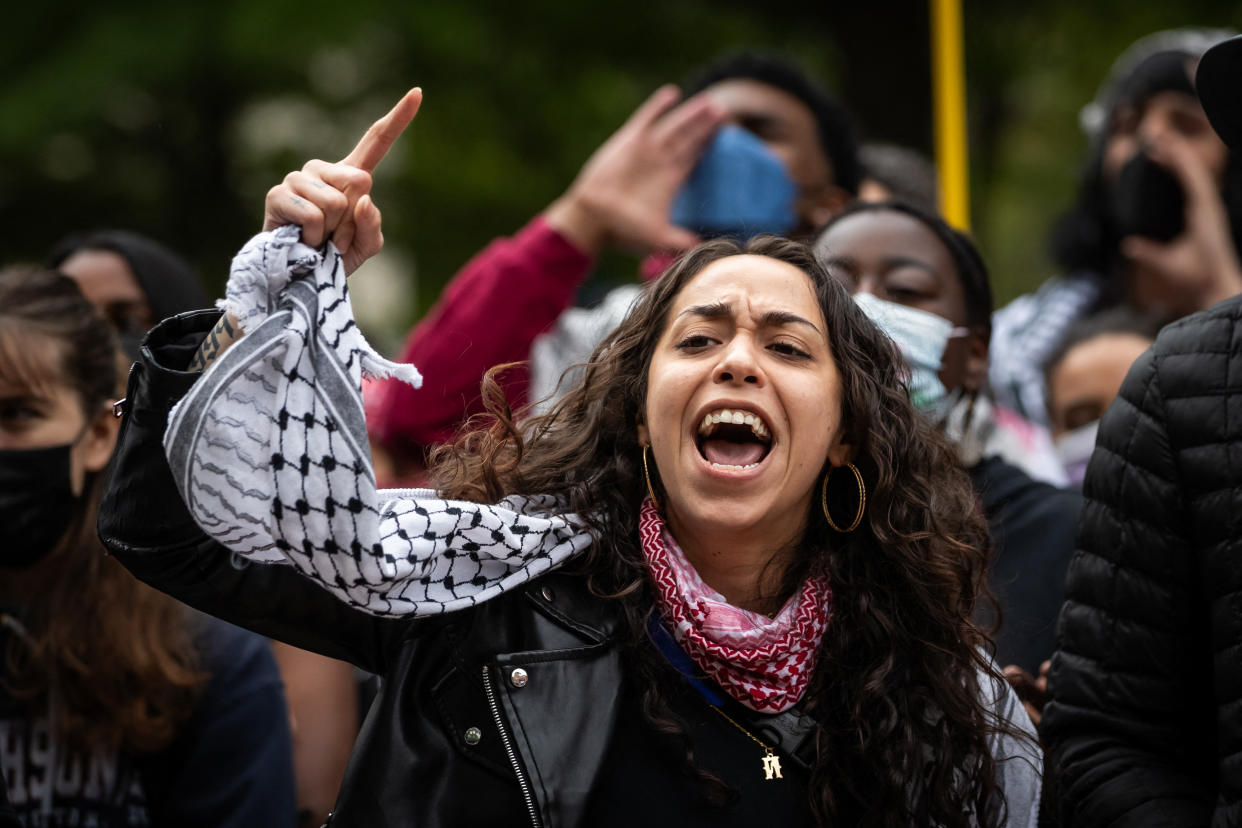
733, 439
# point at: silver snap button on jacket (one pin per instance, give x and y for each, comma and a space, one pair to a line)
473, 735
518, 677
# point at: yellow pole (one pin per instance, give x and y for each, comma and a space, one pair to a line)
949, 96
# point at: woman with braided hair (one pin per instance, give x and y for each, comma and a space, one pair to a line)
732, 569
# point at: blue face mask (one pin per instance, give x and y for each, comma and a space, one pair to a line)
738, 189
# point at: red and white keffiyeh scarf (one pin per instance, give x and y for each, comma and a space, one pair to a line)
764, 663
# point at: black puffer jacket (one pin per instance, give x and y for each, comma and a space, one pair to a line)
1145, 722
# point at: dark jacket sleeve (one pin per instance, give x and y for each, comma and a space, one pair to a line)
1129, 685
144, 523
232, 764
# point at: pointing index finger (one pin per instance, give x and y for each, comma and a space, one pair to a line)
384, 132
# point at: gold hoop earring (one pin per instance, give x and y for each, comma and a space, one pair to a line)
655, 501
862, 500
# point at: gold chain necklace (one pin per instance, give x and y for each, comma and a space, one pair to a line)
771, 762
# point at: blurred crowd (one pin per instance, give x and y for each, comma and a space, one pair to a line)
1113, 573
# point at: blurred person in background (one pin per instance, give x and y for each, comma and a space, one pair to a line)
774, 153
926, 285
118, 706
1084, 375
135, 281
1156, 223
1143, 722
895, 173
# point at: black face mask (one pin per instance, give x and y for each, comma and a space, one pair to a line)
1147, 200
37, 502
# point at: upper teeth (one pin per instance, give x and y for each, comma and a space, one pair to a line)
726, 415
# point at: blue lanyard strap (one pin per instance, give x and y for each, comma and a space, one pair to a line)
791, 731
676, 656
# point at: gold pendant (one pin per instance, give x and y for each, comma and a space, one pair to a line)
771, 766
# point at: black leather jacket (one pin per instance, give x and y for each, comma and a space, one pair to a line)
499, 715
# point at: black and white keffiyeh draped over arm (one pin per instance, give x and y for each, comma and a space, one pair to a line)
269, 451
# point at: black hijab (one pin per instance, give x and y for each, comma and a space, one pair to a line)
164, 277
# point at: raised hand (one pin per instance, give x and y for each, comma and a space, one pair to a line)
624, 192
1200, 267
1031, 691
332, 200
326, 200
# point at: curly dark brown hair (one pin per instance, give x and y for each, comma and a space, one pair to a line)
903, 724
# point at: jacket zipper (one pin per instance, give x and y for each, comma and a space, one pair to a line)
508, 744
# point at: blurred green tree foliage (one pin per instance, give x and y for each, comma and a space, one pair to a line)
174, 119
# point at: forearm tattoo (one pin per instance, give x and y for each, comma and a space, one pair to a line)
217, 342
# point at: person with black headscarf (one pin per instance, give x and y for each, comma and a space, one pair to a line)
1156, 224
133, 280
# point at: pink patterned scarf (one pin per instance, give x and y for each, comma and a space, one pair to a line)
764, 663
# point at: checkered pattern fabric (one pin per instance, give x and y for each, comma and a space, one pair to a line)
1026, 332
763, 663
269, 450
